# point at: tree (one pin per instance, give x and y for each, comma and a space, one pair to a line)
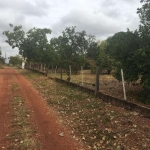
71, 48
92, 52
2, 59
105, 60
31, 45
123, 47
16, 37
144, 13
15, 60
35, 44
143, 54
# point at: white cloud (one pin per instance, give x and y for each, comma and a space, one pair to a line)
99, 17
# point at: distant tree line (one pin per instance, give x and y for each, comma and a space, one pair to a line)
128, 50
2, 59
15, 60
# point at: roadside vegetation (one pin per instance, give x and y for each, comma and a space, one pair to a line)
2, 60
98, 125
72, 49
22, 136
107, 85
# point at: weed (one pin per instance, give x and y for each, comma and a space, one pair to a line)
14, 87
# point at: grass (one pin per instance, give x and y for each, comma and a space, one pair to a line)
88, 78
29, 74
93, 122
22, 135
14, 87
107, 84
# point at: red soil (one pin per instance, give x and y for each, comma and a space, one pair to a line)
43, 118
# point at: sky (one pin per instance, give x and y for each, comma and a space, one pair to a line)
102, 18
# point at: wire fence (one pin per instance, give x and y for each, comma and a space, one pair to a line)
107, 83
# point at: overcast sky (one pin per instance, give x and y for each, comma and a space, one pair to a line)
101, 18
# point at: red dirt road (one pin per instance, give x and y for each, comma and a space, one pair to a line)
5, 109
44, 119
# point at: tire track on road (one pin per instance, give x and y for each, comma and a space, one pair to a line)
44, 118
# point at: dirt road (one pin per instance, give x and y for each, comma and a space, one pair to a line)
51, 134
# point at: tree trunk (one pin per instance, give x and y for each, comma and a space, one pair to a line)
97, 81
46, 73
61, 73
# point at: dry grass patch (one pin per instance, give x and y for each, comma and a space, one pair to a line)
22, 135
99, 125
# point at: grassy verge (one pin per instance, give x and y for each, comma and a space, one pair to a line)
93, 122
22, 135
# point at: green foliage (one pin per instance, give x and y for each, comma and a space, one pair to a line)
123, 47
15, 60
131, 51
144, 12
93, 48
2, 59
71, 47
143, 53
92, 52
16, 37
37, 42
105, 60
32, 45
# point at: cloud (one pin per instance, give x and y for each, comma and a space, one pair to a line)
98, 17
31, 8
100, 24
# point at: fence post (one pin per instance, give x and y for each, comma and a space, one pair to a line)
48, 65
124, 91
44, 66
55, 71
82, 75
70, 72
97, 81
41, 67
61, 73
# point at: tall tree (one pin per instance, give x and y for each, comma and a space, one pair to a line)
36, 43
71, 47
31, 45
143, 53
2, 59
105, 60
92, 52
15, 60
123, 47
16, 37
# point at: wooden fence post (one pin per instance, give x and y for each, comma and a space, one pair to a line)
61, 73
82, 75
70, 72
97, 81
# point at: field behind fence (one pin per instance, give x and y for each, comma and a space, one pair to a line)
107, 83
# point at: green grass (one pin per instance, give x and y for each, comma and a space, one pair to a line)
28, 73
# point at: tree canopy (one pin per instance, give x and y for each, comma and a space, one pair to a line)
123, 47
69, 49
15, 60
2, 59
128, 50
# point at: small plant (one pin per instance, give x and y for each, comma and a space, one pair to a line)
14, 87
